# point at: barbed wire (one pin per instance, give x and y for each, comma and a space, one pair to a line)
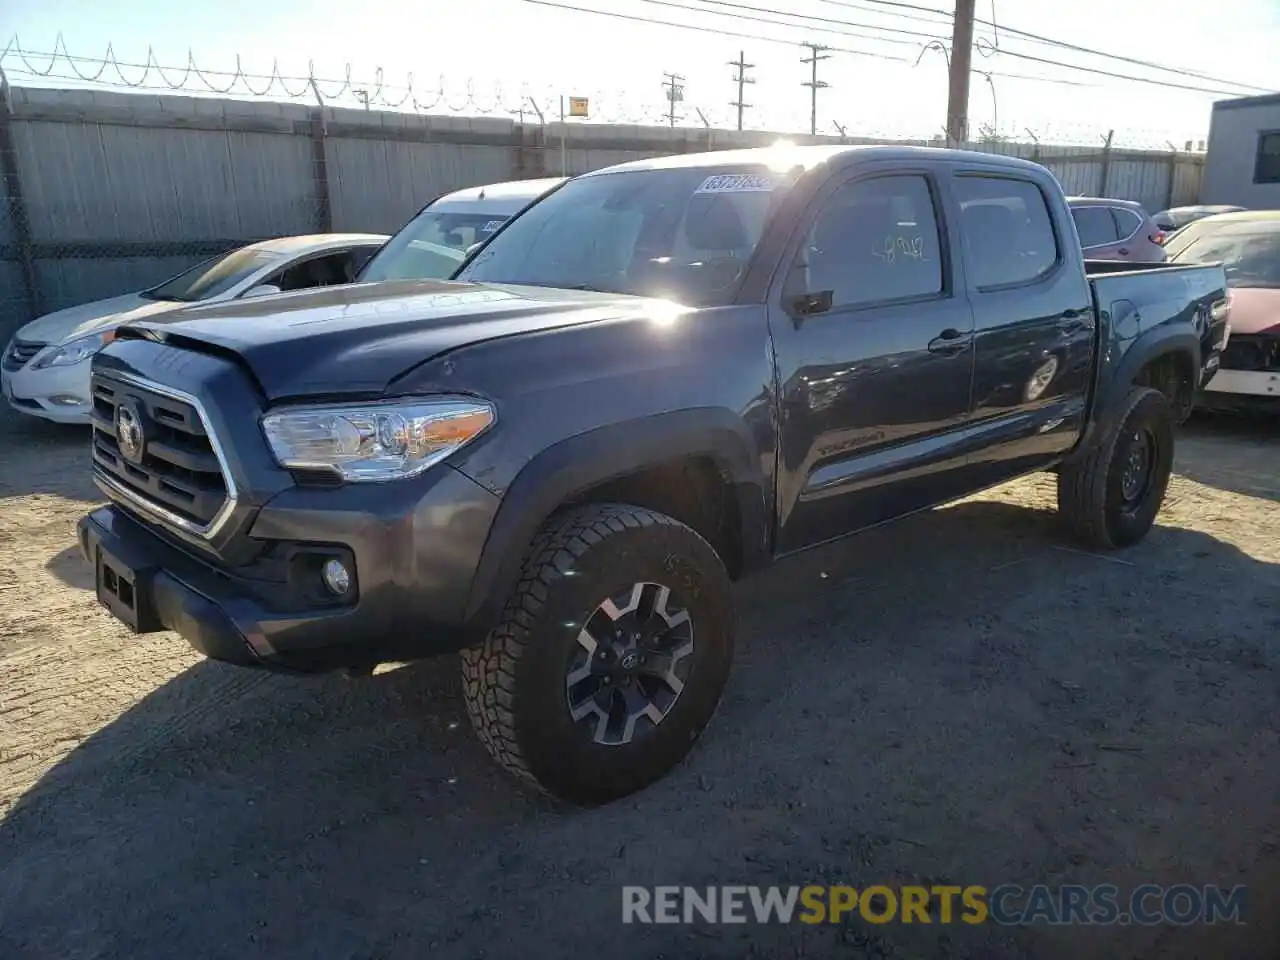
110, 70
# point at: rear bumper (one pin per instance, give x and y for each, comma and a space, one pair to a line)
412, 572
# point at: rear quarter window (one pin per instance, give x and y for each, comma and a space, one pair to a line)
1127, 222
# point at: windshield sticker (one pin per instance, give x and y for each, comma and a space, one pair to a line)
491, 226
737, 183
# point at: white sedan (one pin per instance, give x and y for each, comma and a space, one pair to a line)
44, 371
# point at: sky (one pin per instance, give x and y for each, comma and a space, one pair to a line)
886, 69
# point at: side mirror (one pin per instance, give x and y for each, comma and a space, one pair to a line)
261, 290
800, 305
472, 249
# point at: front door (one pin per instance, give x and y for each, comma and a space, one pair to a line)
874, 348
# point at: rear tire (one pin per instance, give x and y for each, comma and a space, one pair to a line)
1111, 494
561, 648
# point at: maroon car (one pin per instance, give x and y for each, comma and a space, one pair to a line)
1247, 244
1116, 230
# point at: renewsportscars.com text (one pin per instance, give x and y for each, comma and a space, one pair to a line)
1008, 904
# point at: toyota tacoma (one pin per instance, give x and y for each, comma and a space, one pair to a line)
659, 378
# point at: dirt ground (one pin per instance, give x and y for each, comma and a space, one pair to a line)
959, 698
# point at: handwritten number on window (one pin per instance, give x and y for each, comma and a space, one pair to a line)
893, 247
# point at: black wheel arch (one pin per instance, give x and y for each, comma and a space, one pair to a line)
1117, 376
565, 472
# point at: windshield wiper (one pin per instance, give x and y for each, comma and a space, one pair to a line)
552, 286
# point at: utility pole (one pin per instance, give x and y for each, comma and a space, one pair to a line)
675, 94
741, 80
814, 84
958, 89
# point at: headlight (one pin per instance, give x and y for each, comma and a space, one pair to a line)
75, 351
386, 440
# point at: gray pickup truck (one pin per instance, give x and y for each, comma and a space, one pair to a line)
659, 378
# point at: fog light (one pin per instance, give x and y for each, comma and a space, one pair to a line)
337, 579
66, 400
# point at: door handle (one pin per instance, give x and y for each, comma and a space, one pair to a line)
950, 341
1123, 251
1069, 321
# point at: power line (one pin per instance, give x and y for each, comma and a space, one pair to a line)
1059, 81
799, 16
1060, 44
741, 79
1155, 81
635, 18
830, 25
813, 83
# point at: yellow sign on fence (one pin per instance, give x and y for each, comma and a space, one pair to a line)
578, 106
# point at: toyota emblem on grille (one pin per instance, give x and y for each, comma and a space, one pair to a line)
129, 434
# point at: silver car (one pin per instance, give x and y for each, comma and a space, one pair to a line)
44, 371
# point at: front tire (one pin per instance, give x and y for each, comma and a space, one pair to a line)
610, 657
1110, 496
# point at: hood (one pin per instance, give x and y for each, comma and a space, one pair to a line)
358, 338
1255, 310
64, 325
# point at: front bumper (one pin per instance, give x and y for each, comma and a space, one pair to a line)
413, 552
48, 393
1254, 383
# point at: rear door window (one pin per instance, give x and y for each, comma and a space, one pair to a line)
1095, 225
1007, 230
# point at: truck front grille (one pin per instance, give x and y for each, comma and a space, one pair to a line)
1251, 352
20, 353
171, 470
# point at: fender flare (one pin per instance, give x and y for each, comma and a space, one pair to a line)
1113, 384
566, 469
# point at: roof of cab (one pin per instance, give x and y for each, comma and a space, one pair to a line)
787, 156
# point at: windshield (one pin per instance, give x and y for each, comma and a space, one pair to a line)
211, 277
1249, 251
685, 234
432, 245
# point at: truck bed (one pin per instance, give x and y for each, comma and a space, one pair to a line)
1096, 268
1135, 299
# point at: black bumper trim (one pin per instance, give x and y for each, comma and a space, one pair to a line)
167, 602
176, 591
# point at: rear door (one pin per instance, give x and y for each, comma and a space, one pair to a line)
1033, 322
873, 343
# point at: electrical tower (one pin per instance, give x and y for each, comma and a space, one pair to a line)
675, 94
741, 80
813, 83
